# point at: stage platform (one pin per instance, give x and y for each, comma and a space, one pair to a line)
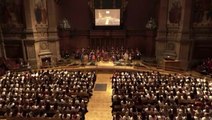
110, 67
105, 66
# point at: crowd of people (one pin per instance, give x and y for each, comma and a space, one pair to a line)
46, 93
63, 94
205, 67
113, 54
156, 96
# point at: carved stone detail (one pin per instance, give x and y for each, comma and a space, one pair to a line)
44, 45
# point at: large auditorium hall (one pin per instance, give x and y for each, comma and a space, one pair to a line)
105, 59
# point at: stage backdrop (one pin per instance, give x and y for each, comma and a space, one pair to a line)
138, 12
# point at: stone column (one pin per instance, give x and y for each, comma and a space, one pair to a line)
29, 40
178, 43
53, 38
37, 45
2, 46
162, 30
24, 50
41, 24
185, 41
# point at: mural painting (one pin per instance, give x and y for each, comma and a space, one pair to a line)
40, 11
175, 10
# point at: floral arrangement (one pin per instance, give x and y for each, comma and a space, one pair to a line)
151, 24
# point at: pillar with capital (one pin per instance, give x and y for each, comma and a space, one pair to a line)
186, 49
162, 31
173, 35
41, 33
54, 44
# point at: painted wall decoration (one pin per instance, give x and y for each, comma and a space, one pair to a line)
11, 13
202, 12
175, 10
41, 11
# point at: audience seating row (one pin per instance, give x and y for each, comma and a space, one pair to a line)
46, 93
156, 96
